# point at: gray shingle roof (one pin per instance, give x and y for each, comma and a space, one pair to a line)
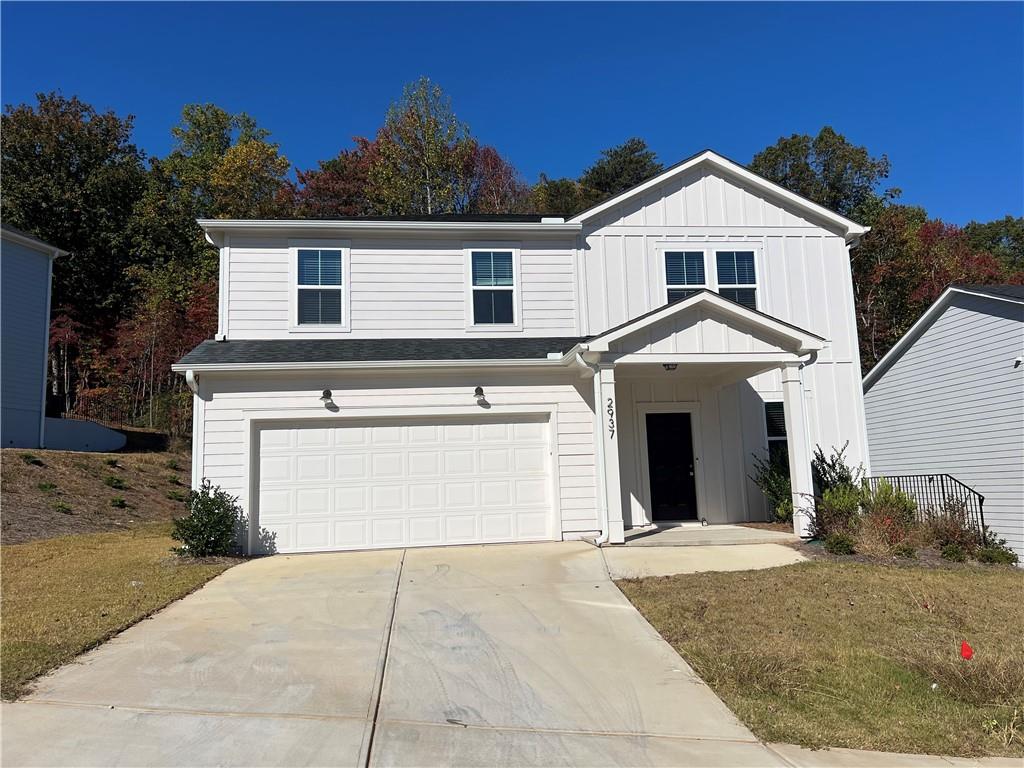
1007, 291
373, 350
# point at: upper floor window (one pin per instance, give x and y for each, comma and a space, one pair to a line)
736, 277
493, 288
319, 286
684, 273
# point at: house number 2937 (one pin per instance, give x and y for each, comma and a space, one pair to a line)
611, 417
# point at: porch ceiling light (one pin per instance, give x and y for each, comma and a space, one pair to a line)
670, 366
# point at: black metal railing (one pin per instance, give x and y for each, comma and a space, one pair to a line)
939, 496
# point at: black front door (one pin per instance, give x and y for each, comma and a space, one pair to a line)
670, 456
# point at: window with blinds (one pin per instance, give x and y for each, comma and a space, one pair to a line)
737, 280
684, 274
319, 286
775, 429
493, 288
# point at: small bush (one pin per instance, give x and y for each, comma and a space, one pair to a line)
210, 527
772, 477
839, 543
837, 511
173, 464
889, 516
905, 551
32, 460
173, 480
118, 502
177, 495
47, 487
994, 555
954, 553
111, 462
62, 507
832, 471
115, 482
951, 525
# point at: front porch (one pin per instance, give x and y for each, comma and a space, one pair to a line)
680, 404
698, 535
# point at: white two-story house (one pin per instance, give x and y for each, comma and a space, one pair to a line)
395, 382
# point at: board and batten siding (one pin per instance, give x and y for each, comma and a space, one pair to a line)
225, 402
953, 403
803, 278
25, 282
398, 288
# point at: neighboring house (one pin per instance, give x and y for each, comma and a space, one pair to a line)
26, 266
948, 398
382, 382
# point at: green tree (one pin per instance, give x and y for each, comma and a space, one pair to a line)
618, 169
829, 170
559, 197
247, 181
424, 163
1003, 238
72, 176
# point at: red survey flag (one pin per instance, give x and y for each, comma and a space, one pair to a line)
966, 651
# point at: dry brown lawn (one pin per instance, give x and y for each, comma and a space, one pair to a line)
62, 596
856, 655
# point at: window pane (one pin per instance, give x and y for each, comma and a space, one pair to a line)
676, 294
319, 307
735, 267
330, 267
778, 453
309, 267
492, 307
684, 268
492, 268
775, 419
745, 296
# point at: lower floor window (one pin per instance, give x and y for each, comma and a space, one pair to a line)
775, 426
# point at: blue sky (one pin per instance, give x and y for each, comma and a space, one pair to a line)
937, 87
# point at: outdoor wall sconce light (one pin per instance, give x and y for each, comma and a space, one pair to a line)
478, 393
325, 398
670, 366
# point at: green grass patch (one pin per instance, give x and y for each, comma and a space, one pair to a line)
852, 655
65, 595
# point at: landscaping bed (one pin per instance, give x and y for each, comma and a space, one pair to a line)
64, 595
849, 654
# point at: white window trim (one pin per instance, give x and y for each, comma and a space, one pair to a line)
345, 247
710, 250
517, 305
767, 438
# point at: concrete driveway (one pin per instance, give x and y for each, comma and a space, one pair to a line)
496, 655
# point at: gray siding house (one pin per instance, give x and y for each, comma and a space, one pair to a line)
949, 398
26, 265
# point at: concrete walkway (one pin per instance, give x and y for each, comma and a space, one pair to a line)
640, 562
499, 655
695, 535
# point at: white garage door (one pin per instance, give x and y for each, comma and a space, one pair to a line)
407, 483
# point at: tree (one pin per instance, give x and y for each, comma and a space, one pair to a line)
829, 170
337, 187
424, 156
619, 169
72, 176
559, 197
1003, 238
495, 186
246, 182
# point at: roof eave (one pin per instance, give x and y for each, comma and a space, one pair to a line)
184, 367
325, 225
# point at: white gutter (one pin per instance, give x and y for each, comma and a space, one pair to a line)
562, 362
288, 225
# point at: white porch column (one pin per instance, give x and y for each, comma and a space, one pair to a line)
798, 443
608, 421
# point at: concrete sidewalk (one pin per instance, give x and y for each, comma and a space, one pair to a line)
640, 562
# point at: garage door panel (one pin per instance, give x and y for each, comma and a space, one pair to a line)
405, 484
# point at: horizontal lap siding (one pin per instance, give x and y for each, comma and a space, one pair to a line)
224, 438
953, 403
399, 288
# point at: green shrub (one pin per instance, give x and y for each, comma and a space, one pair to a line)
905, 550
839, 543
889, 514
47, 487
173, 480
63, 508
177, 495
32, 460
954, 553
173, 464
115, 482
951, 525
211, 525
837, 511
772, 477
111, 462
118, 502
996, 556
832, 471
